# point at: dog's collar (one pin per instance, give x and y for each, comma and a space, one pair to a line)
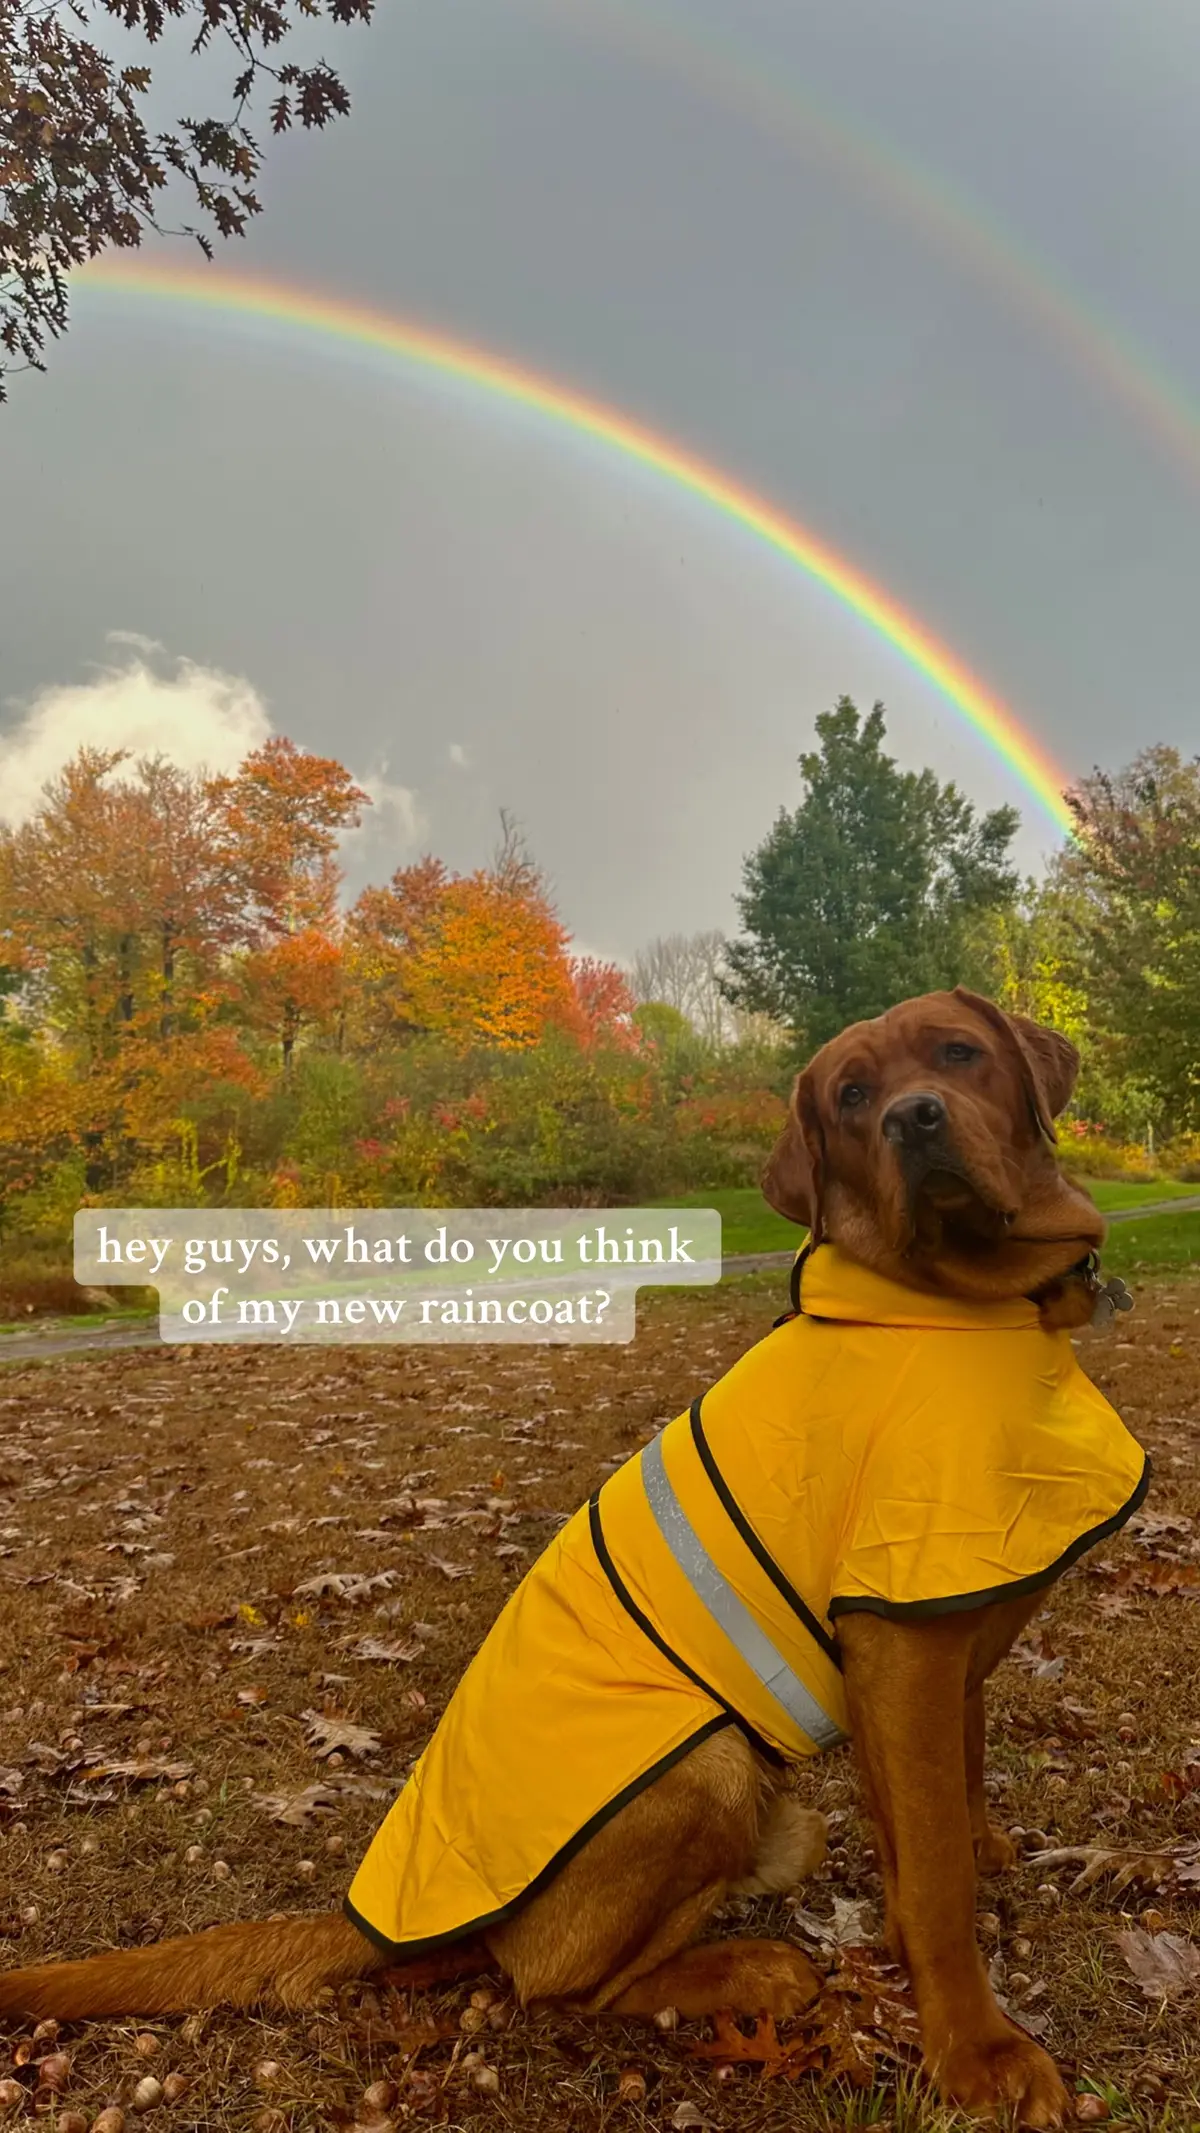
1108, 1297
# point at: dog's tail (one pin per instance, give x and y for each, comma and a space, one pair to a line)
281, 1963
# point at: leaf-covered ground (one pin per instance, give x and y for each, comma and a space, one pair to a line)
236, 1590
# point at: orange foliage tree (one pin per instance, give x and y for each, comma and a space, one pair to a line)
282, 814
477, 959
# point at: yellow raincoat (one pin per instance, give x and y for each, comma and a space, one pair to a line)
881, 1450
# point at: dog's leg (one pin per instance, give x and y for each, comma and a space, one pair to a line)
791, 1846
752, 1977
907, 1684
994, 1851
609, 1931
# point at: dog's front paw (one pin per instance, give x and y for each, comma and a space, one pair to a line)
994, 1852
1005, 2076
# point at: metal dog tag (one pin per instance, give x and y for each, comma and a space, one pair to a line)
1113, 1297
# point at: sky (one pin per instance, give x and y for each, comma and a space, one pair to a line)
921, 279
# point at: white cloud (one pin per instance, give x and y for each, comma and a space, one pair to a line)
391, 824
197, 716
459, 756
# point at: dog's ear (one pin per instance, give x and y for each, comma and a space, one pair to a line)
795, 1176
1049, 1063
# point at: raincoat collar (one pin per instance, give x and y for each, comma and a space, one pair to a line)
833, 1286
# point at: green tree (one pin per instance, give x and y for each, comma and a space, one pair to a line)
869, 890
1036, 962
1131, 881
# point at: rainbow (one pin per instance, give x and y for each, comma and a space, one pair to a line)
328, 317
1016, 279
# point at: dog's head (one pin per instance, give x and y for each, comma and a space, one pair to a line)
921, 1144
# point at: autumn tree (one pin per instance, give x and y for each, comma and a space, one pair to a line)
865, 892
604, 1001
1130, 889
119, 897
282, 815
83, 171
477, 959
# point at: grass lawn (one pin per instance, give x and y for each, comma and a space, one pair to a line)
1160, 1244
749, 1225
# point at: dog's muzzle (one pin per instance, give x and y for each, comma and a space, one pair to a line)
917, 1128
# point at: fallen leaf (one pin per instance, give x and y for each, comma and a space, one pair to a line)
352, 1585
1097, 1862
296, 1808
1165, 1965
397, 1653
850, 1925
449, 1570
324, 1735
1157, 1579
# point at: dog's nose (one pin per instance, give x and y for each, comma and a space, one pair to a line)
914, 1118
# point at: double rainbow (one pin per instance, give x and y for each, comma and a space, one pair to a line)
318, 315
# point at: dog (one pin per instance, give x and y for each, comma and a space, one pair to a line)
843, 1537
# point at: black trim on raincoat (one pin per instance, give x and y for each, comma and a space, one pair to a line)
758, 1550
412, 1949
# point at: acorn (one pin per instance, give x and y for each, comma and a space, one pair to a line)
631, 2085
12, 2095
54, 2071
220, 1870
378, 2099
46, 2032
145, 2044
472, 2020
175, 2086
267, 2073
70, 2122
110, 2120
486, 2080
148, 2093
56, 1861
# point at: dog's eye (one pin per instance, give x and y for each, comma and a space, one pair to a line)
852, 1096
960, 1054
